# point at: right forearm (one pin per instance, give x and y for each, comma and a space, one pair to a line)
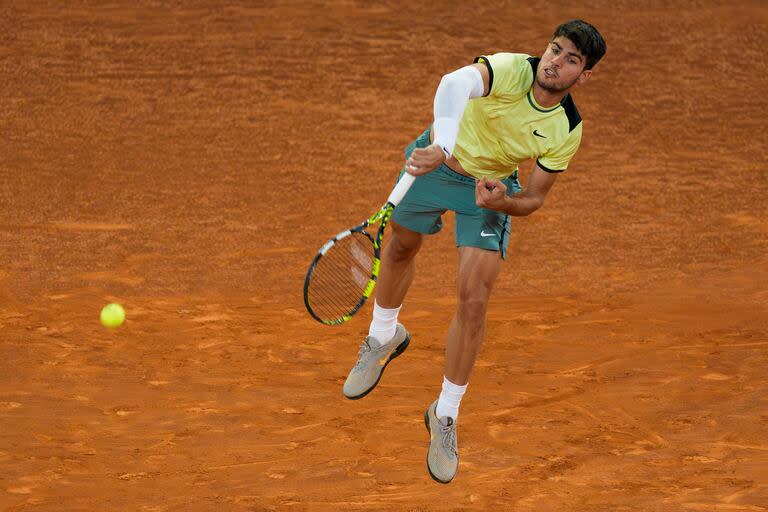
522, 204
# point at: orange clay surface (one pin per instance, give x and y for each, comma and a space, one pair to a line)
187, 159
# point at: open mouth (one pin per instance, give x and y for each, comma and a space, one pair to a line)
549, 73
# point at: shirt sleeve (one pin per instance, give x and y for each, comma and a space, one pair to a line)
557, 160
509, 73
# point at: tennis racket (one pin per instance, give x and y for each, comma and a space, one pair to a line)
344, 271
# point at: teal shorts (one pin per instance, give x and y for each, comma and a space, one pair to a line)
443, 189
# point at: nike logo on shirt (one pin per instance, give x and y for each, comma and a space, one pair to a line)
484, 234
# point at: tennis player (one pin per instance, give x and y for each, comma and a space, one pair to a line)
490, 116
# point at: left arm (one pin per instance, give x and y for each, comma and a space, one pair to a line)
492, 194
452, 96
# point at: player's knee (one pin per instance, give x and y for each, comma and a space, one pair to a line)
473, 303
400, 251
404, 244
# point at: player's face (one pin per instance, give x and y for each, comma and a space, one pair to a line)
561, 66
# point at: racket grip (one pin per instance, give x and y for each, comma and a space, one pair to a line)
401, 188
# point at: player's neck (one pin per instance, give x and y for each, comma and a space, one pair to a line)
547, 98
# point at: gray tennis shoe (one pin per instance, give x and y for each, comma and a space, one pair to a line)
371, 361
443, 455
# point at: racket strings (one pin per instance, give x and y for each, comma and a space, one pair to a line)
337, 285
341, 276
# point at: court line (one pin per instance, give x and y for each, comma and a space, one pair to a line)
721, 345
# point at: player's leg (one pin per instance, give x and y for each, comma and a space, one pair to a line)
386, 338
482, 237
478, 269
398, 267
417, 214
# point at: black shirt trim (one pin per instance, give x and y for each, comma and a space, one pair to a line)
534, 62
483, 60
574, 118
547, 169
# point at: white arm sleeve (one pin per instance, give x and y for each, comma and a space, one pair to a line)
453, 94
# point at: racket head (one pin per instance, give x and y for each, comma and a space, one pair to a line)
342, 275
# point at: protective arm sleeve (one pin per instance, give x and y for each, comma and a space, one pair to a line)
452, 96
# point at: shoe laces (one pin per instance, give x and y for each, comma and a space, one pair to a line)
448, 436
365, 347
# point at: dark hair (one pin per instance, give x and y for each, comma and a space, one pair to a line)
585, 38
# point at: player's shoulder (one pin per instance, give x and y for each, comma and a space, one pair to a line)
504, 59
512, 72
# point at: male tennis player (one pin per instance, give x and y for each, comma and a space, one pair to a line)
489, 117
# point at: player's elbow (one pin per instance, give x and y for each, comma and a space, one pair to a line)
450, 83
465, 81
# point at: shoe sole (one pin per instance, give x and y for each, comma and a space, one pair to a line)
399, 350
426, 423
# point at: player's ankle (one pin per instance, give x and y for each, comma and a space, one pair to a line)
384, 323
450, 399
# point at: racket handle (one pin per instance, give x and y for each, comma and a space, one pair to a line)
401, 188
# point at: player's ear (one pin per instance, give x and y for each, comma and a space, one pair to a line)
584, 77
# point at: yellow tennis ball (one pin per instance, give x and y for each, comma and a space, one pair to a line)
112, 315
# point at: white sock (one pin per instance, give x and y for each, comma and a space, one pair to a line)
384, 323
450, 398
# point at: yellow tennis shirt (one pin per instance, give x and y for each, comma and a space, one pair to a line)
507, 126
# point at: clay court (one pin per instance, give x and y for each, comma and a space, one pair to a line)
187, 159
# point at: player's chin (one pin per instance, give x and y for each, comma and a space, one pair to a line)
550, 84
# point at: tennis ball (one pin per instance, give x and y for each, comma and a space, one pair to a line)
112, 316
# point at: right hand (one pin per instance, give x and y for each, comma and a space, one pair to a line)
424, 160
491, 194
